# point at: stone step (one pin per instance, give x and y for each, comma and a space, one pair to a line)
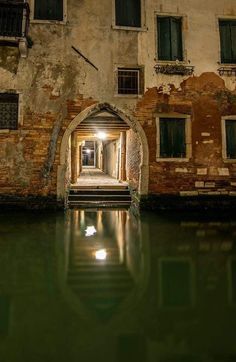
99, 192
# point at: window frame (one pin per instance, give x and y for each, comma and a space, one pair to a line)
143, 26
188, 137
45, 21
192, 285
184, 26
224, 140
20, 110
140, 69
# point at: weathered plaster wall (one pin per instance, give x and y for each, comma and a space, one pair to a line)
56, 84
133, 159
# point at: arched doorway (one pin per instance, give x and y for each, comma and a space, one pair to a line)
62, 172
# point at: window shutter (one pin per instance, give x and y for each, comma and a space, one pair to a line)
176, 283
178, 138
233, 42
128, 13
231, 138
48, 10
165, 147
172, 138
176, 39
164, 38
225, 41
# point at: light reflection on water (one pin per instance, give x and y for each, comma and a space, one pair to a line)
109, 286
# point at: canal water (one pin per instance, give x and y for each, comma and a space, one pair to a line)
106, 285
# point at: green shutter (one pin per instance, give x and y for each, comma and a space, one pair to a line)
175, 282
233, 41
169, 38
128, 13
172, 138
48, 10
231, 138
225, 42
176, 39
164, 38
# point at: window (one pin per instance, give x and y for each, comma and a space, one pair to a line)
128, 13
228, 41
230, 130
48, 10
172, 138
175, 283
169, 31
129, 81
9, 111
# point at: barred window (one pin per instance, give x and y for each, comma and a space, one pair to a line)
9, 104
128, 81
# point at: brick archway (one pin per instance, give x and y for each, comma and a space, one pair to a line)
92, 111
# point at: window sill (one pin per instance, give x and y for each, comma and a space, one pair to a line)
162, 159
229, 160
52, 22
129, 28
171, 62
132, 96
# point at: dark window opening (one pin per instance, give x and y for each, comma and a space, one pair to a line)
172, 138
128, 81
128, 13
230, 126
176, 282
48, 10
9, 104
4, 314
169, 38
228, 41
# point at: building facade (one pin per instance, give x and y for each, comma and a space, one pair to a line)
166, 69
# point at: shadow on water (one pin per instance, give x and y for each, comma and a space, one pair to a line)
105, 285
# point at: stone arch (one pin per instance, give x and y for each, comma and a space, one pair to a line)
92, 111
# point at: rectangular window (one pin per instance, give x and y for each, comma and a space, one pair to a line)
230, 128
48, 10
172, 138
175, 283
228, 41
4, 314
169, 31
9, 104
128, 81
128, 13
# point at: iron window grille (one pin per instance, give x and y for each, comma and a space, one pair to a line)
14, 18
9, 105
128, 81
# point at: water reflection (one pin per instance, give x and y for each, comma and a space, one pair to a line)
108, 286
100, 265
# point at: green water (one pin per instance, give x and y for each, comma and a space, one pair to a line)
87, 286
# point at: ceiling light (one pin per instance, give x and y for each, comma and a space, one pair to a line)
88, 151
101, 135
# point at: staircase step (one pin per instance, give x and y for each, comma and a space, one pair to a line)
100, 192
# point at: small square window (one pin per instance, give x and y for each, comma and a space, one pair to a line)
48, 10
228, 41
128, 13
169, 30
9, 104
128, 81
